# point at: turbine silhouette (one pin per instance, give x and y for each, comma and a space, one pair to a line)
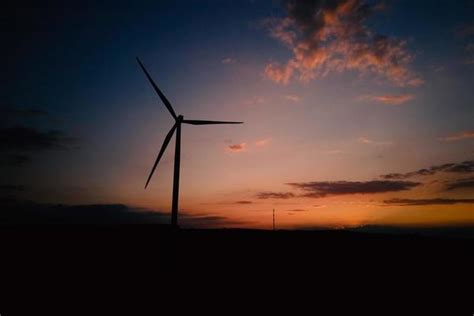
179, 119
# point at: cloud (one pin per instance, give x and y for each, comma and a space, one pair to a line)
297, 210
292, 98
465, 31
229, 60
237, 147
331, 36
419, 202
20, 212
459, 168
15, 113
18, 142
461, 184
327, 188
390, 99
14, 160
243, 202
274, 195
9, 188
458, 136
17, 212
368, 141
208, 221
20, 138
255, 100
262, 142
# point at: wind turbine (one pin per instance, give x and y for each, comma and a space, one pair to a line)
179, 119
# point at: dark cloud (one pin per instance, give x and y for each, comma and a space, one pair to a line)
461, 184
208, 221
332, 36
21, 212
20, 138
9, 188
14, 160
243, 202
19, 142
274, 195
297, 210
9, 113
418, 202
465, 30
460, 168
16, 212
326, 188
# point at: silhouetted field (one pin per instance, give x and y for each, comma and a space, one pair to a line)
151, 258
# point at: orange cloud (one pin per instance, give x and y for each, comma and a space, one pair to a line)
237, 147
365, 140
262, 142
292, 98
390, 99
330, 37
458, 136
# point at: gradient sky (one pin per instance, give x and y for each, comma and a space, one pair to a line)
356, 113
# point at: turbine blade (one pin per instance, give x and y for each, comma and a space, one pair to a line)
162, 151
162, 96
202, 122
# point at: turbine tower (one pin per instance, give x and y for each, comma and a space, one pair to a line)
179, 119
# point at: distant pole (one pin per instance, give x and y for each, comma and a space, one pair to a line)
273, 219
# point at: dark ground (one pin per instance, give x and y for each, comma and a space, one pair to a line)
60, 263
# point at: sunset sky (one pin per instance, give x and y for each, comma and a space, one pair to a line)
356, 112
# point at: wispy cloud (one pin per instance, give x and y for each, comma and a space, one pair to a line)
292, 98
319, 189
256, 100
368, 141
467, 183
465, 30
470, 52
297, 210
459, 168
419, 202
243, 202
331, 36
274, 195
457, 136
389, 99
237, 147
229, 60
263, 142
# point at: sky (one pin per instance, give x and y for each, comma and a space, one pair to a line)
355, 112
